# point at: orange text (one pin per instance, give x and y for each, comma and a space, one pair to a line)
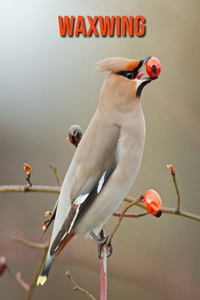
102, 26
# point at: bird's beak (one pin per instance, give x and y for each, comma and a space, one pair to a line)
142, 81
141, 65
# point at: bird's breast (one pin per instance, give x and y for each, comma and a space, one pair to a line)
131, 145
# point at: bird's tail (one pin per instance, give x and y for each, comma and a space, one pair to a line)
45, 269
53, 252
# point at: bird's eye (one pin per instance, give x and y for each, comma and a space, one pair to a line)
130, 75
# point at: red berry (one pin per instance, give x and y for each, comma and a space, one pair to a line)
153, 67
2, 265
153, 203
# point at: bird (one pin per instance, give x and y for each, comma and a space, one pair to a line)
106, 161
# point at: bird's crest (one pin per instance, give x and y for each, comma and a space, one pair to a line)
116, 64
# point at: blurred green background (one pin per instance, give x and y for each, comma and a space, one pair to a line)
47, 84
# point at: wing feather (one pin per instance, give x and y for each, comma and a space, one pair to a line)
78, 208
95, 160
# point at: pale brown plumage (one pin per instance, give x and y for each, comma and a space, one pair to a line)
107, 159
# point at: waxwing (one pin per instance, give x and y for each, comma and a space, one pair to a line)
107, 160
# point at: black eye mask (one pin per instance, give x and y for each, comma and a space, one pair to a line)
131, 74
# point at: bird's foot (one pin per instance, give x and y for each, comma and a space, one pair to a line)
101, 243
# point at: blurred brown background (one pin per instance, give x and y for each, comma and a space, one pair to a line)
47, 84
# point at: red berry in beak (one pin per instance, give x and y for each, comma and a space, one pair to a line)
153, 67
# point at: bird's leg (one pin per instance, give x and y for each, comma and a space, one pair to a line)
101, 243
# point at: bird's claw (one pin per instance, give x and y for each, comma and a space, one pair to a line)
101, 243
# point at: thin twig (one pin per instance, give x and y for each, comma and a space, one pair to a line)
18, 278
167, 210
55, 170
103, 268
28, 178
118, 214
37, 272
181, 213
128, 205
56, 190
33, 188
173, 173
31, 244
78, 288
28, 170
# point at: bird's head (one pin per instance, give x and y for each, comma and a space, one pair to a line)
125, 81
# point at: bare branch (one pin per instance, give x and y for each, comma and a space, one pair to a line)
103, 268
128, 205
18, 278
118, 214
173, 173
78, 288
28, 170
181, 213
167, 210
56, 190
31, 244
55, 170
44, 247
37, 272
33, 188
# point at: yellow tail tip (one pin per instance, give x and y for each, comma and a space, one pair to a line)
41, 280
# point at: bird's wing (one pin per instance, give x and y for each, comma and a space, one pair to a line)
95, 167
78, 208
